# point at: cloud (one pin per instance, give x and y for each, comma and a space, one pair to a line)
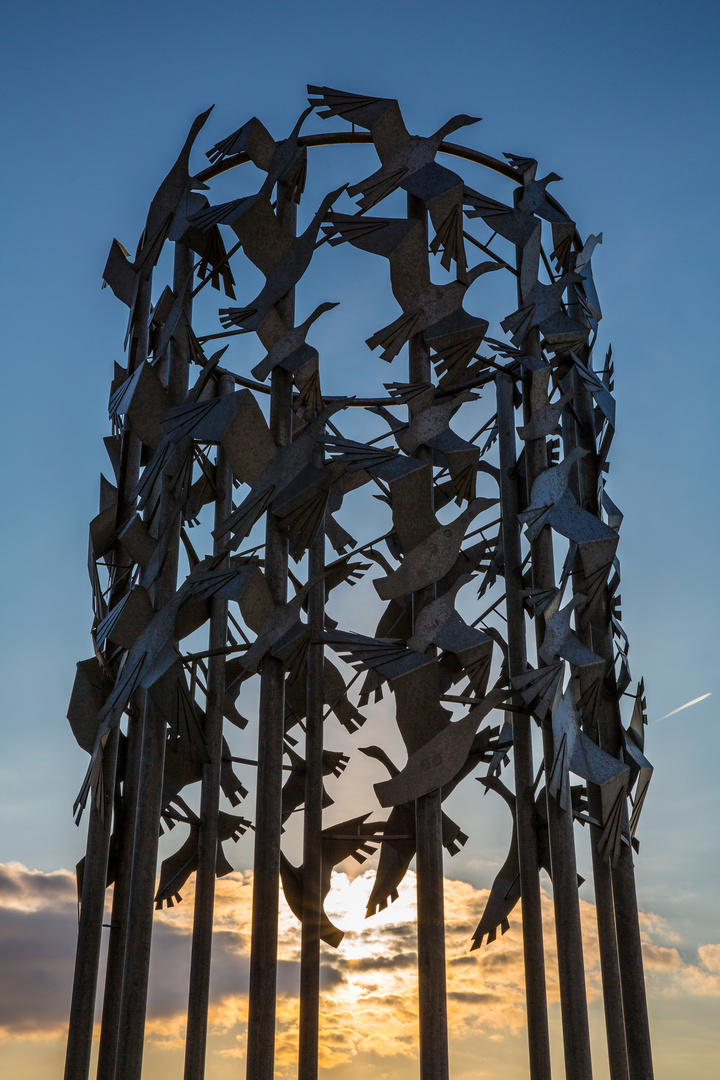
369, 984
37, 951
38, 926
31, 890
710, 957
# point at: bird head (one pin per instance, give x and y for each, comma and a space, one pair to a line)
482, 268
379, 754
457, 122
330, 199
328, 305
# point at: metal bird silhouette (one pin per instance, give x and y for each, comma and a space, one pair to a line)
398, 850
165, 202
285, 272
407, 161
575, 752
177, 868
291, 484
346, 840
283, 161
438, 761
433, 557
436, 311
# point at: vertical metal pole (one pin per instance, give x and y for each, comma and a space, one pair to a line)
566, 902
432, 995
532, 929
627, 926
147, 824
199, 994
130, 471
609, 961
632, 974
109, 1029
266, 859
431, 938
585, 491
92, 906
82, 1010
312, 823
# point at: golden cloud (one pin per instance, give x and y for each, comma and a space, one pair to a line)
371, 1004
369, 983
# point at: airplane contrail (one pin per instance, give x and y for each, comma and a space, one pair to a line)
685, 706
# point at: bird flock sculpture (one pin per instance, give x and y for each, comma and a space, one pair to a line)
527, 692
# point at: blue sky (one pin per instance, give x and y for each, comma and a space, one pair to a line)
620, 99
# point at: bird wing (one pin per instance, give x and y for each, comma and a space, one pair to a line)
395, 858
418, 712
437, 762
505, 891
292, 883
165, 202
380, 116
254, 138
400, 240
176, 869
264, 240
514, 225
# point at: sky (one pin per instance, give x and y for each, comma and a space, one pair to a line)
619, 100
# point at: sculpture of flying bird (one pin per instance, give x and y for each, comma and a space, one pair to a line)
283, 264
435, 311
284, 162
407, 161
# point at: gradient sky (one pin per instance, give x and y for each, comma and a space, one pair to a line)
621, 100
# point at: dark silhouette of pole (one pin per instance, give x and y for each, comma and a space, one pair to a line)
201, 954
312, 822
266, 858
632, 974
584, 486
92, 907
609, 735
566, 902
432, 995
531, 903
147, 823
125, 819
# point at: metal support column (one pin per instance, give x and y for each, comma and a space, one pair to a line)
147, 823
312, 823
584, 486
125, 822
566, 902
266, 859
627, 927
92, 908
201, 954
535, 993
432, 995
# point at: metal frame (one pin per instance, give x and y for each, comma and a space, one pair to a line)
151, 716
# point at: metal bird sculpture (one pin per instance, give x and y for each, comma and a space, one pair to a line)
407, 161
